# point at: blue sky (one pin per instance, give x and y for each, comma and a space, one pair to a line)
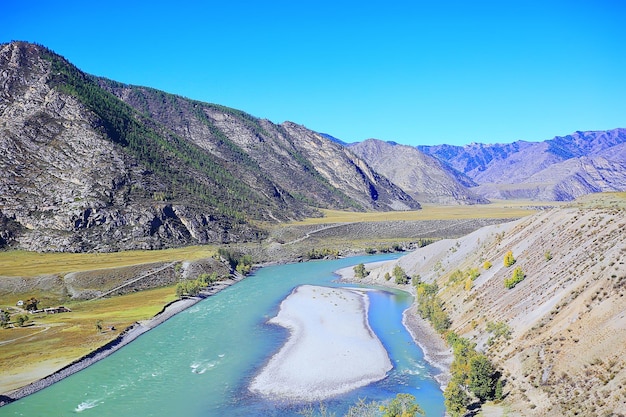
415, 72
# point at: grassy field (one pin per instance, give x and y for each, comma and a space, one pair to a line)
496, 210
49, 342
29, 264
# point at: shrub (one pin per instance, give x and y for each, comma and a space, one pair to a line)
5, 319
403, 405
416, 280
473, 273
517, 277
509, 259
498, 329
324, 253
430, 307
400, 275
487, 265
360, 271
21, 320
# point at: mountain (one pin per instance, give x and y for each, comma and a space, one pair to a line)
532, 169
563, 181
95, 165
334, 139
424, 177
288, 153
559, 336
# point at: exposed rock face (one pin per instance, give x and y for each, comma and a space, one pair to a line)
67, 187
424, 177
559, 169
563, 181
93, 165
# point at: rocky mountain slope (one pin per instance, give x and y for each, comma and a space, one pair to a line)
559, 169
93, 165
308, 165
561, 338
424, 177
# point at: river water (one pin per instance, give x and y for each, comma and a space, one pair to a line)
200, 362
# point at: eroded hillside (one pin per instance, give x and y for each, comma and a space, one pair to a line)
562, 339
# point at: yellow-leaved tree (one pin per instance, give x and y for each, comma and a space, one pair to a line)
509, 259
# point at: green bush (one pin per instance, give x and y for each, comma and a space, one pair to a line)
240, 263
431, 308
473, 375
322, 254
400, 276
403, 405
360, 271
517, 277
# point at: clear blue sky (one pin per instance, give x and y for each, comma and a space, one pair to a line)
415, 72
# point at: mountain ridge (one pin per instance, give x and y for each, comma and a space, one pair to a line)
88, 171
424, 177
511, 170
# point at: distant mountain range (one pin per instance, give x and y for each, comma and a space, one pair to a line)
560, 169
91, 164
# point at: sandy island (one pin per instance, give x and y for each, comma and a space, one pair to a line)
331, 349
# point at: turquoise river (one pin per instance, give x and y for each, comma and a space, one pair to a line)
200, 362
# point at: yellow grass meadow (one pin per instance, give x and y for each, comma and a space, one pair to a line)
496, 210
30, 264
50, 341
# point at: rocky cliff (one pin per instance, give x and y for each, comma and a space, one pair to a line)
93, 165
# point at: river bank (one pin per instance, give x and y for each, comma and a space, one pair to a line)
127, 336
436, 352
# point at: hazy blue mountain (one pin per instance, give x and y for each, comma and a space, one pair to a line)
533, 169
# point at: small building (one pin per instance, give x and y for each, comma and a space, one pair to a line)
20, 303
56, 310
